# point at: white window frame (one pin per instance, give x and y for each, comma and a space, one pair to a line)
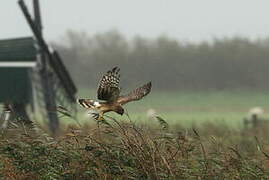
23, 64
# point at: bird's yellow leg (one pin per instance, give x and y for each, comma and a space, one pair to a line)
100, 117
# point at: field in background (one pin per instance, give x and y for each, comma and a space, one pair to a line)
187, 108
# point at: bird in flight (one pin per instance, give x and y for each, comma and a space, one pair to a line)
109, 92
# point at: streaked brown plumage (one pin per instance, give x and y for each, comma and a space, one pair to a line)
109, 91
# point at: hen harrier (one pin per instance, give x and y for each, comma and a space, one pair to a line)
109, 91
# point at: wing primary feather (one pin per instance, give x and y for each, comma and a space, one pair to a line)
136, 94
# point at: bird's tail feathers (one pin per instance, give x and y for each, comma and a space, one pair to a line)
88, 103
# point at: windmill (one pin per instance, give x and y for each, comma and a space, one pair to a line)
33, 73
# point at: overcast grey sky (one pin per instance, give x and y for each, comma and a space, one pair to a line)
188, 20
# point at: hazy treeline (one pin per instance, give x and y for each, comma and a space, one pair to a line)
221, 64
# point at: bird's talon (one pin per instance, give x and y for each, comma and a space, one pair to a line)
100, 118
95, 115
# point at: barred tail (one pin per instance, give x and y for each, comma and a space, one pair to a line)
86, 103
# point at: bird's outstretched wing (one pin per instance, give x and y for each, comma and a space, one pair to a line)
136, 94
108, 89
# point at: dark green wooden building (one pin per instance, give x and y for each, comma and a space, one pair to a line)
18, 57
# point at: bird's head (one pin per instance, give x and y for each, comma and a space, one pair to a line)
120, 110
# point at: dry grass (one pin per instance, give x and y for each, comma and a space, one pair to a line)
118, 150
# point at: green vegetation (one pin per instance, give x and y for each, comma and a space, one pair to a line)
118, 150
196, 136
